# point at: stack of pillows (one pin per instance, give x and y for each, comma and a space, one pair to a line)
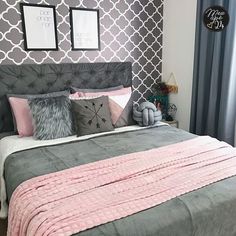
61, 114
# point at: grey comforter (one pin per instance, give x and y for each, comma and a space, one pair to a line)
210, 211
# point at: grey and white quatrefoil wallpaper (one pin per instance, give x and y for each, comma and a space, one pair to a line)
130, 30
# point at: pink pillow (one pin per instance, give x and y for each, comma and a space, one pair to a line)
118, 100
108, 93
22, 115
117, 105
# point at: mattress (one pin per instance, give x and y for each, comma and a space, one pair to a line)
207, 211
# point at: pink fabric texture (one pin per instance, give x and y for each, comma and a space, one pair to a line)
109, 93
22, 115
115, 108
76, 199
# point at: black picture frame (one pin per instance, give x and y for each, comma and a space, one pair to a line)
80, 40
44, 21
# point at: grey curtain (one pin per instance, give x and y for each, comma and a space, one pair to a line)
214, 81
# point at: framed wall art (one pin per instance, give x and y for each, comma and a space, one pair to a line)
39, 27
85, 33
216, 18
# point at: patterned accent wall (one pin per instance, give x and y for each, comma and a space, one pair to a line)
130, 30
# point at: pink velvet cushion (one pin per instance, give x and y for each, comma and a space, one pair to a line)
108, 93
22, 115
118, 101
117, 105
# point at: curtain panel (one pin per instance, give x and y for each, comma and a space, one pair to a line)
213, 107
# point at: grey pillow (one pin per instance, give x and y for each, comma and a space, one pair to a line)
52, 117
27, 96
74, 89
92, 115
45, 95
126, 117
5, 134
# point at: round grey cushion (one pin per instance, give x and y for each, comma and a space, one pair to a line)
146, 114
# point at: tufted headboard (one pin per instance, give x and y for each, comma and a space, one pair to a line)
45, 78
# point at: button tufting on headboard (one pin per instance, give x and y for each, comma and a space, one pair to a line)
49, 84
92, 72
20, 76
76, 73
40, 75
44, 78
68, 83
31, 85
59, 74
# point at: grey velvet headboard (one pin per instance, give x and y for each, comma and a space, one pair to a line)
44, 78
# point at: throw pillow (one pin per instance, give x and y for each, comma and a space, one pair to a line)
52, 117
92, 115
22, 118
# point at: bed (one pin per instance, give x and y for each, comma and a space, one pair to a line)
209, 210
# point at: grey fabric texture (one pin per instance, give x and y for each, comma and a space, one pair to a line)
45, 95
209, 211
46, 78
126, 117
92, 115
5, 134
73, 89
26, 96
213, 109
52, 117
146, 114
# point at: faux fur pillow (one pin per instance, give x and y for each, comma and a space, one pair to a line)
22, 118
52, 117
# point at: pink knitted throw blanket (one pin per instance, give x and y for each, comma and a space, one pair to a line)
76, 199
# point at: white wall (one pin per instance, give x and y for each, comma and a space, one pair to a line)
178, 53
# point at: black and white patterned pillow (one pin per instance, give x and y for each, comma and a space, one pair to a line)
92, 115
52, 117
